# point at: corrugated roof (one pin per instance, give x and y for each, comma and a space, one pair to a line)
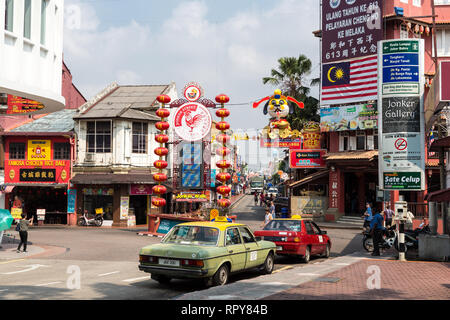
310, 178
60, 121
352, 155
120, 103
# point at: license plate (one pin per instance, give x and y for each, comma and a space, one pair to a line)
169, 262
279, 248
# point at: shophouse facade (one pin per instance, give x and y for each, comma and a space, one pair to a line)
115, 141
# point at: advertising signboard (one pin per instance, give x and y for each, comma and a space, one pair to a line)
19, 105
301, 159
355, 117
350, 29
402, 133
191, 197
292, 143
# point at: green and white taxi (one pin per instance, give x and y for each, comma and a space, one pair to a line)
207, 250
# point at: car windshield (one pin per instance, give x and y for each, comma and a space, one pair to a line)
196, 235
273, 190
284, 225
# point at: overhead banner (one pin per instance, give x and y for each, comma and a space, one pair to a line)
402, 125
355, 117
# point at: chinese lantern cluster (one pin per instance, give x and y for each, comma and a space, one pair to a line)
223, 164
418, 28
162, 138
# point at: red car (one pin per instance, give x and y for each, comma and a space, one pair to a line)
296, 237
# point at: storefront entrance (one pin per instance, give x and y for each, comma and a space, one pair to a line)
138, 205
359, 188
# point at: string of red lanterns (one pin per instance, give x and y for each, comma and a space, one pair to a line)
223, 164
162, 151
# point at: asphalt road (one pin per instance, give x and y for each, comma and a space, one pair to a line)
100, 263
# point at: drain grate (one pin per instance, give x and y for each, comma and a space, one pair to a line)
331, 280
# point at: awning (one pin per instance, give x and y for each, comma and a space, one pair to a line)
8, 189
439, 196
352, 155
310, 178
440, 143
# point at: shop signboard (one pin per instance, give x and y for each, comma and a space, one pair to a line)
140, 190
191, 197
334, 189
192, 121
38, 164
402, 125
71, 200
354, 117
40, 214
302, 159
166, 224
213, 178
19, 105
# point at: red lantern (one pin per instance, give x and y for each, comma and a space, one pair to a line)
158, 202
223, 176
223, 164
224, 203
223, 113
159, 189
421, 29
223, 190
223, 138
160, 177
222, 98
163, 113
161, 152
160, 164
223, 151
162, 138
222, 126
163, 98
162, 126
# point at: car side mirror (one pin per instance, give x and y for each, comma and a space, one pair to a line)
258, 239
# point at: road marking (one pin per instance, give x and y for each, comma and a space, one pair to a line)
31, 268
308, 274
47, 284
109, 273
341, 264
282, 269
135, 279
3, 290
11, 261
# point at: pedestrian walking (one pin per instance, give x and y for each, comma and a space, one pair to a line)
256, 198
261, 199
272, 209
377, 229
23, 232
388, 215
267, 218
367, 216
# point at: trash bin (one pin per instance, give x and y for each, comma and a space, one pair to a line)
284, 213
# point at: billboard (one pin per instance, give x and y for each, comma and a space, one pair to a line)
353, 117
401, 136
350, 29
302, 159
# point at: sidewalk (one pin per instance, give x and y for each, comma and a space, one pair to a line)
340, 278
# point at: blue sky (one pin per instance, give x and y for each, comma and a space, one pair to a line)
226, 46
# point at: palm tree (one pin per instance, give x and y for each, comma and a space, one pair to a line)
290, 78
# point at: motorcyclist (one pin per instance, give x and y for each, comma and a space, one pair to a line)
377, 229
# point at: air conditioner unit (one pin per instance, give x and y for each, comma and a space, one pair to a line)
90, 157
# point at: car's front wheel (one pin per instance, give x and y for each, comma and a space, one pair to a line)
268, 264
221, 276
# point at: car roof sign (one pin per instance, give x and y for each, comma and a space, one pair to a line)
222, 219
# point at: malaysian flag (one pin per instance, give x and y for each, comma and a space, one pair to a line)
350, 81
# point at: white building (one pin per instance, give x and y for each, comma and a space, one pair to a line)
31, 46
115, 150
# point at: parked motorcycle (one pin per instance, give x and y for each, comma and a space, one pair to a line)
97, 221
389, 238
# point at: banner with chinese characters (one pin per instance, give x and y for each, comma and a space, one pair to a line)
19, 105
350, 28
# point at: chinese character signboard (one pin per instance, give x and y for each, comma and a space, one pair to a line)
35, 163
402, 125
350, 32
191, 197
350, 29
19, 105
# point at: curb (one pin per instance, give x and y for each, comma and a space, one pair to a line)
237, 201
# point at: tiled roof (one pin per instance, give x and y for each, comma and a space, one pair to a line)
122, 102
60, 121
